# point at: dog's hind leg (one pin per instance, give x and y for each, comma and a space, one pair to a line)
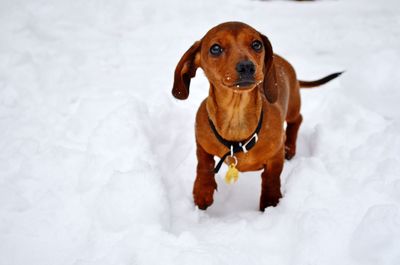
292, 130
293, 120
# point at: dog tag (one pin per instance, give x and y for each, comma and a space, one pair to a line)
232, 174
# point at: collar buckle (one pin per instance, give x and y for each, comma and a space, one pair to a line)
244, 146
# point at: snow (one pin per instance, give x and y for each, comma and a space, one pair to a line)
97, 159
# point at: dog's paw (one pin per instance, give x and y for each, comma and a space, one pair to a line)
290, 151
203, 202
203, 196
267, 201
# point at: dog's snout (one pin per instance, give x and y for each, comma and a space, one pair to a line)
245, 68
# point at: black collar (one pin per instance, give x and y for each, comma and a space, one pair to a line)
236, 147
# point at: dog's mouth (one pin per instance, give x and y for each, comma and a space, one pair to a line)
241, 84
244, 85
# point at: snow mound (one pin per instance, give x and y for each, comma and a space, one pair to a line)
119, 152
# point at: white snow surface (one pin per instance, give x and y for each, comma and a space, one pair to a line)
97, 159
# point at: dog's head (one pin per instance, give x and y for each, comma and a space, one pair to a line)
233, 56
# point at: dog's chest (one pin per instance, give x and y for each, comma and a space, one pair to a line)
269, 142
270, 139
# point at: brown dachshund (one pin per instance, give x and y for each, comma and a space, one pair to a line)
252, 93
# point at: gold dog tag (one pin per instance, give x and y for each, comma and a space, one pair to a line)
232, 174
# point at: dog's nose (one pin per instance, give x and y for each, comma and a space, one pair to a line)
245, 68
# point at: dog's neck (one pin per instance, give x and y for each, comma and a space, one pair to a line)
235, 115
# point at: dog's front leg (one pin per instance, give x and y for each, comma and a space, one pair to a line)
271, 181
204, 185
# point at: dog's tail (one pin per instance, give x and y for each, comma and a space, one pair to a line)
326, 79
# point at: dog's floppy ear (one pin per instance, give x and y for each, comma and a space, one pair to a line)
269, 84
185, 70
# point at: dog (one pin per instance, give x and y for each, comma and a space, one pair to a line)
252, 93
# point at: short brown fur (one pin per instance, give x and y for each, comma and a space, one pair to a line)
235, 111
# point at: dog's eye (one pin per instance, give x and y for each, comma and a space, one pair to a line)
216, 50
257, 45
